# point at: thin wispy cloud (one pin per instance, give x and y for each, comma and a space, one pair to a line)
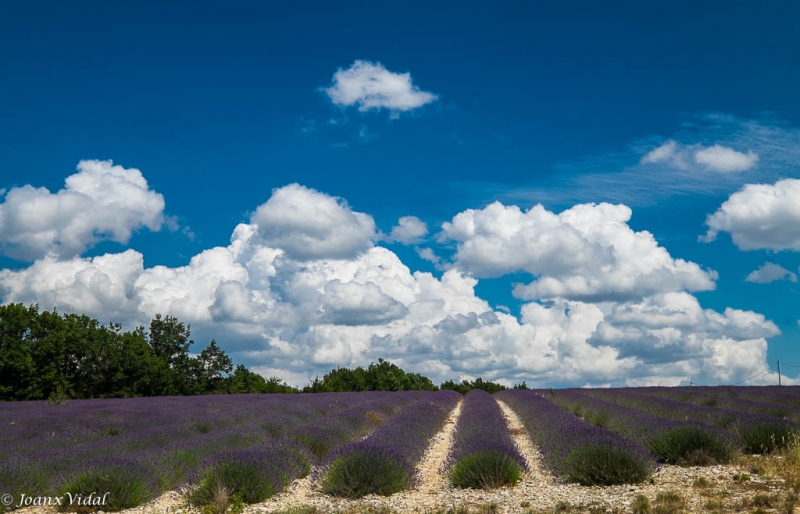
711, 154
713, 158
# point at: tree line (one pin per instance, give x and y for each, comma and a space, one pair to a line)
47, 355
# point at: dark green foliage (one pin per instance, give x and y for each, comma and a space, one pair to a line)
245, 381
690, 445
371, 470
486, 469
210, 368
127, 484
249, 482
174, 467
383, 376
254, 474
46, 355
604, 465
466, 386
202, 428
234, 478
766, 437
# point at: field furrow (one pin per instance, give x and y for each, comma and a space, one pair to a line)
430, 478
533, 457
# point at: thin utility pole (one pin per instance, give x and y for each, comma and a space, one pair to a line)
779, 373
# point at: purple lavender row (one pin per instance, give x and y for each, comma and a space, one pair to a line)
767, 401
385, 462
483, 455
670, 441
757, 433
576, 450
82, 427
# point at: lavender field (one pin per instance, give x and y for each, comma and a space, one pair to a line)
353, 444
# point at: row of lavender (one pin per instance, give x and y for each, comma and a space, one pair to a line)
781, 402
755, 430
385, 462
670, 441
575, 449
483, 454
138, 448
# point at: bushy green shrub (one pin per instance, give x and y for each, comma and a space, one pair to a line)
766, 437
254, 474
370, 471
127, 484
233, 477
690, 445
604, 465
486, 469
174, 467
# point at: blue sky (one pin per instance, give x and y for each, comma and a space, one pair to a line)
210, 111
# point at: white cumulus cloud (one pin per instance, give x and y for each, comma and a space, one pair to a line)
760, 216
371, 86
307, 224
409, 230
102, 201
586, 252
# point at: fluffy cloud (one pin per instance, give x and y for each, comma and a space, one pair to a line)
713, 158
293, 315
684, 340
371, 86
726, 160
409, 230
307, 224
770, 272
100, 202
102, 286
760, 216
586, 252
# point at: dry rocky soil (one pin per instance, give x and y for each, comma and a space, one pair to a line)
673, 489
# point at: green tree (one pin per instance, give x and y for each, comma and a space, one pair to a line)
169, 340
466, 386
383, 376
17, 366
212, 365
245, 381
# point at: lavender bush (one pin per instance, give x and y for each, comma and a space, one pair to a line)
255, 474
126, 482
